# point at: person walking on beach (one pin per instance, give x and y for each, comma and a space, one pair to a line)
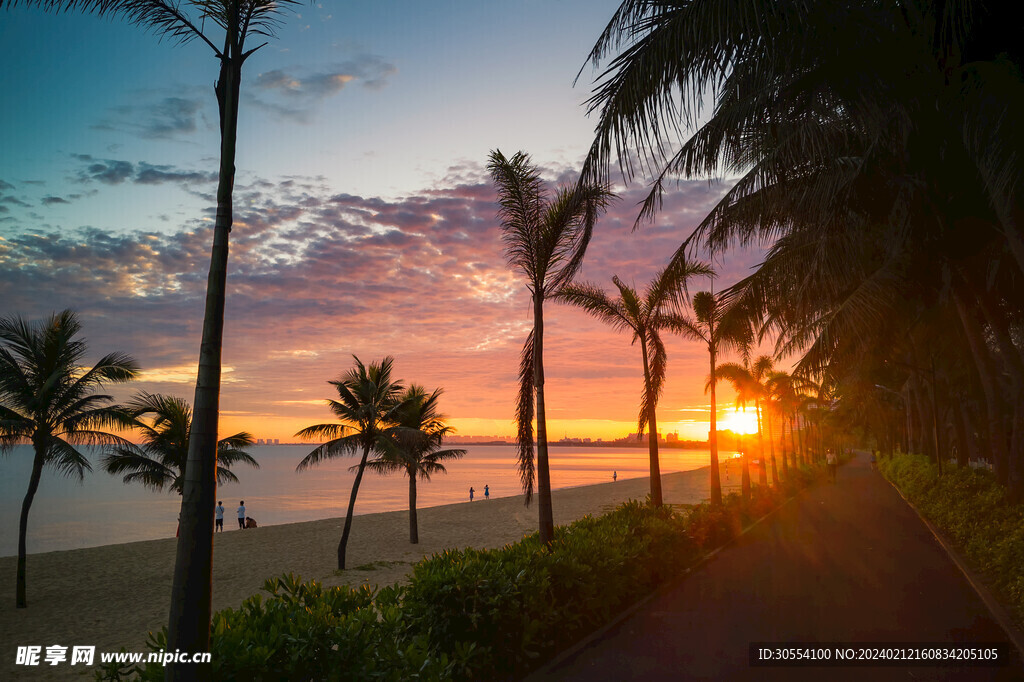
241, 514
830, 459
615, 476
487, 492
219, 513
471, 491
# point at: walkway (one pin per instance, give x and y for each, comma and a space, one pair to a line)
849, 562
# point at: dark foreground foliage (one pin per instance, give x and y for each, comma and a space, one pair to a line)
970, 508
468, 614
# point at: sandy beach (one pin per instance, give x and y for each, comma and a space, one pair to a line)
112, 596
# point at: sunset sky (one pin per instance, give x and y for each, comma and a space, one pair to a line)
364, 219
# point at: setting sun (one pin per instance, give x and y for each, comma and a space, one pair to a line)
740, 421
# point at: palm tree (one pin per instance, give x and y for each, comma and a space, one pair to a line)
719, 329
857, 178
743, 384
782, 387
645, 316
159, 463
545, 240
416, 445
182, 22
50, 400
760, 372
367, 402
748, 380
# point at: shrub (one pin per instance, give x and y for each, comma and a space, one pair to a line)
466, 614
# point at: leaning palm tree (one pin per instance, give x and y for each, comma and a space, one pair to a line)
159, 462
545, 239
415, 445
367, 401
182, 22
719, 329
645, 316
48, 399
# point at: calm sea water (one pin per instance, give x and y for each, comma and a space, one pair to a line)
102, 510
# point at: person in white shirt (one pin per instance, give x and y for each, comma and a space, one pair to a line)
219, 511
241, 514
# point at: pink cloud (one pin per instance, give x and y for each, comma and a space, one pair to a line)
316, 276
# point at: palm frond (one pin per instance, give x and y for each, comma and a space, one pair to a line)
346, 446
66, 460
595, 301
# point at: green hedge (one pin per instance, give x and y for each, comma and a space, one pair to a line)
972, 510
467, 614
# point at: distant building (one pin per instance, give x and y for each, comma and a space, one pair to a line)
672, 437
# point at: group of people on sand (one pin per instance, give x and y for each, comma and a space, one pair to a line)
218, 518
487, 493
243, 520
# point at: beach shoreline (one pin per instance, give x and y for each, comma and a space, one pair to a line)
111, 596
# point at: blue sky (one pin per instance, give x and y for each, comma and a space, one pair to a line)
380, 98
364, 220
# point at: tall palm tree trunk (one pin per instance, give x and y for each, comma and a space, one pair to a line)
771, 448
963, 448
547, 522
782, 444
414, 529
792, 439
744, 469
990, 393
652, 430
21, 596
716, 478
762, 474
343, 543
801, 445
192, 587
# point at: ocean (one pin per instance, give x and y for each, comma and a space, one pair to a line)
102, 510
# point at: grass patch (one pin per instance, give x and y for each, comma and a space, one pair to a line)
373, 566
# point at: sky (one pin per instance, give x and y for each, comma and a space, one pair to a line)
365, 223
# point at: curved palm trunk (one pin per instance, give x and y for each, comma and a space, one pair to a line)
414, 530
716, 478
762, 475
652, 430
547, 522
782, 444
21, 598
192, 588
343, 543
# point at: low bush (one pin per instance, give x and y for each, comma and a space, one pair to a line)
971, 508
467, 614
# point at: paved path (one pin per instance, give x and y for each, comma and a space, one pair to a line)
848, 562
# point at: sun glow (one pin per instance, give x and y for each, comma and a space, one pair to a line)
740, 421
